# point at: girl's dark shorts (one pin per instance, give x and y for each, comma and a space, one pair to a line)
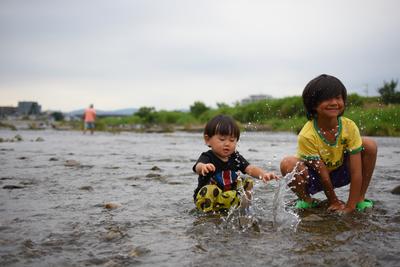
339, 177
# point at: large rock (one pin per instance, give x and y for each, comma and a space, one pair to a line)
396, 190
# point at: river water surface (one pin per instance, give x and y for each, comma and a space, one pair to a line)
68, 199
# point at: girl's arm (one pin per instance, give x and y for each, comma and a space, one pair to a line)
259, 173
320, 168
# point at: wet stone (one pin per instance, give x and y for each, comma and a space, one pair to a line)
28, 182
28, 243
112, 205
396, 190
112, 235
155, 168
86, 188
111, 263
175, 183
53, 159
155, 176
200, 247
112, 167
11, 187
138, 251
71, 163
39, 139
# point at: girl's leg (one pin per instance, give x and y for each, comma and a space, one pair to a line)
299, 182
368, 158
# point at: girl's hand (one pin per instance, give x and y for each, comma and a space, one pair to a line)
344, 211
269, 176
336, 206
206, 168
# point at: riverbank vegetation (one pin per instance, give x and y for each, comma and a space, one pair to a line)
375, 116
285, 114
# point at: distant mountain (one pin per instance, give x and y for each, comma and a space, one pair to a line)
117, 112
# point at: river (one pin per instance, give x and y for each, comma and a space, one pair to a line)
68, 199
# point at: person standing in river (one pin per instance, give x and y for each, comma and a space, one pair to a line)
89, 118
331, 153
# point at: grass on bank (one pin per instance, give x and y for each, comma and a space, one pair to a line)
285, 114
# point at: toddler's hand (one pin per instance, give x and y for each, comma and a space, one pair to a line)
206, 168
269, 176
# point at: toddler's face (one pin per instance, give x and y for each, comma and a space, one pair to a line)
331, 108
222, 145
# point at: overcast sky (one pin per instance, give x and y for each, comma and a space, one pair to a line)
168, 54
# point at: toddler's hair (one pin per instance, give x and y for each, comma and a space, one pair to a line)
320, 89
223, 125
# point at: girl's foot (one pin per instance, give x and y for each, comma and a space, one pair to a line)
301, 204
365, 204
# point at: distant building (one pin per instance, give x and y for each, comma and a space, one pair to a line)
255, 98
28, 108
7, 111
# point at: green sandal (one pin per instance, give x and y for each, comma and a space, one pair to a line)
366, 204
301, 204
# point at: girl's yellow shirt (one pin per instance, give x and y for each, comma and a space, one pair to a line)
313, 146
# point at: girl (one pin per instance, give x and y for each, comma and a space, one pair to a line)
331, 153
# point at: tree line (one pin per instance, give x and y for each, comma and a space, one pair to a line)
375, 115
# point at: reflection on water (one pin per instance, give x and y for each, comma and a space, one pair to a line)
126, 199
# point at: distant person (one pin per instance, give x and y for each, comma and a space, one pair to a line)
218, 183
331, 153
89, 118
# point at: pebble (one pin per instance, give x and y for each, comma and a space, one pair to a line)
86, 187
138, 251
112, 205
71, 163
155, 168
112, 234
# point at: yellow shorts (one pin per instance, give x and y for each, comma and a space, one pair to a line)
212, 198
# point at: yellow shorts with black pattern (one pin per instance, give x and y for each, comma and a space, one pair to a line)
212, 198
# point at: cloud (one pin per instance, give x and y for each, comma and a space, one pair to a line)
219, 51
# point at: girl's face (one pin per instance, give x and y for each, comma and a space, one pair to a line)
222, 145
331, 108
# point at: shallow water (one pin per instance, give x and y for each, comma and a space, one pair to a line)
55, 215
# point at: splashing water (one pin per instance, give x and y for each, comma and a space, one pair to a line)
284, 218
243, 213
